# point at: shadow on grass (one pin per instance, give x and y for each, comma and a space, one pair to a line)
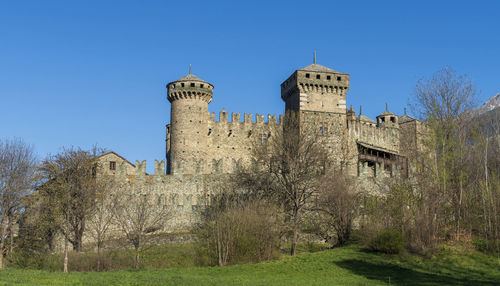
404, 276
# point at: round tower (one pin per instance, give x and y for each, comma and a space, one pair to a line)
187, 133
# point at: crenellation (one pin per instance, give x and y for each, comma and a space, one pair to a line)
259, 118
248, 118
235, 117
271, 118
223, 116
160, 167
140, 167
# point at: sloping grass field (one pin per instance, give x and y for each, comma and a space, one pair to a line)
340, 266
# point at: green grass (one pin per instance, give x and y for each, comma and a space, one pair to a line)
341, 266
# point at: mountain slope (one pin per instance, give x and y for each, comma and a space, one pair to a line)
488, 116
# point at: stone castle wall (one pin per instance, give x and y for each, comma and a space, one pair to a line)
187, 195
381, 136
220, 146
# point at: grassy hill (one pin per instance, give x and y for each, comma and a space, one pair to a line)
341, 266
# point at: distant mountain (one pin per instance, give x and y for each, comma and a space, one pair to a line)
490, 104
488, 116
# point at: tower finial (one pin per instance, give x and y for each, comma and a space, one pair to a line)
405, 110
314, 57
189, 68
386, 107
360, 110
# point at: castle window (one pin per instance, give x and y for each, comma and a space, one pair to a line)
202, 85
323, 129
192, 84
209, 131
307, 75
318, 76
328, 77
182, 84
262, 139
112, 165
393, 119
339, 78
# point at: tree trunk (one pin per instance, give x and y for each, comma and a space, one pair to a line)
3, 230
65, 270
11, 240
98, 256
77, 243
137, 257
219, 248
283, 243
79, 237
294, 241
459, 206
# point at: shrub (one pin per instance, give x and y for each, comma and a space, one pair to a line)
389, 241
486, 246
28, 259
240, 234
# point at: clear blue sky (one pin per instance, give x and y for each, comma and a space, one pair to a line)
77, 73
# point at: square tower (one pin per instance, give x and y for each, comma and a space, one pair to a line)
316, 88
318, 94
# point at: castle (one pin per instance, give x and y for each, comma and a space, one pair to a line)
198, 144
200, 149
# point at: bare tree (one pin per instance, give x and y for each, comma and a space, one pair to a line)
486, 168
138, 215
236, 227
286, 170
17, 176
101, 214
444, 102
338, 203
71, 184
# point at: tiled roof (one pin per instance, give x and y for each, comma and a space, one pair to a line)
405, 118
318, 68
365, 119
190, 77
387, 112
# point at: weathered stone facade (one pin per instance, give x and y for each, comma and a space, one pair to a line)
200, 149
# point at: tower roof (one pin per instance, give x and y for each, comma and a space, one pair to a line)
190, 77
318, 68
406, 118
365, 119
387, 112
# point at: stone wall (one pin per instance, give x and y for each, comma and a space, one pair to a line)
384, 137
220, 146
